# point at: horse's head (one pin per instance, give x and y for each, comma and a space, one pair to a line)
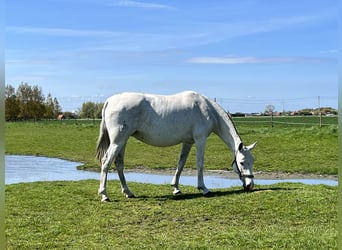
243, 165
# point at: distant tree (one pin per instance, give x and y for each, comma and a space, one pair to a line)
12, 105
98, 109
24, 93
306, 111
49, 108
88, 110
9, 91
57, 109
91, 110
328, 110
31, 100
70, 115
78, 112
269, 109
28, 102
36, 103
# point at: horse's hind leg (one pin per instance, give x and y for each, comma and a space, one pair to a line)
119, 163
181, 162
106, 163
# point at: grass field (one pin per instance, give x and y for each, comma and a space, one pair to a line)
69, 215
282, 148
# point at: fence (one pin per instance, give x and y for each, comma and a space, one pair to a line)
288, 120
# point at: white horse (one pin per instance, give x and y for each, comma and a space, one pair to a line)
187, 118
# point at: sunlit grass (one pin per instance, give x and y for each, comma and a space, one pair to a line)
69, 215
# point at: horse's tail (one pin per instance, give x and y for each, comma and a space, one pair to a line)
103, 141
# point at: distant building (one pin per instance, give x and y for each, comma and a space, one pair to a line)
61, 117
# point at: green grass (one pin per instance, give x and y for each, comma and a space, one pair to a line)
282, 148
68, 215
70, 141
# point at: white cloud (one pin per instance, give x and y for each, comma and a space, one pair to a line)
258, 60
137, 4
120, 41
63, 31
24, 62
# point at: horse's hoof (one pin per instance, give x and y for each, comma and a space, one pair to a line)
207, 194
105, 199
130, 196
176, 192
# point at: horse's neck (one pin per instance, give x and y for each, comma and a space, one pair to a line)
226, 129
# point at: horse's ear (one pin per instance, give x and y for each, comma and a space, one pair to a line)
250, 147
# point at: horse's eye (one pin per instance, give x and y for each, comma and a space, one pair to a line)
241, 163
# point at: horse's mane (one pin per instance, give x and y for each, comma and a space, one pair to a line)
222, 113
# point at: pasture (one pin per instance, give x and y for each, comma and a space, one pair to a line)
282, 148
69, 215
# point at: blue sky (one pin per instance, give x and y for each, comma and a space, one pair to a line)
246, 54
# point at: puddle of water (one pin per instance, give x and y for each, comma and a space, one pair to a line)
21, 168
32, 168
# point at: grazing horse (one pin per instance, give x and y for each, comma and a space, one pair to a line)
187, 118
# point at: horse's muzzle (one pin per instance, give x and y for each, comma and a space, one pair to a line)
249, 187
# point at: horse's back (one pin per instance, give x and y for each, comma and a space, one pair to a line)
163, 104
126, 100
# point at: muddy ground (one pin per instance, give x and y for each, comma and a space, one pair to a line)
231, 174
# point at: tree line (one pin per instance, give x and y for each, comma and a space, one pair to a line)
91, 110
29, 103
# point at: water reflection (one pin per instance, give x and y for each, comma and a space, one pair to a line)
31, 168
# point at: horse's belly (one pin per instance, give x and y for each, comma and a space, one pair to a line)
162, 139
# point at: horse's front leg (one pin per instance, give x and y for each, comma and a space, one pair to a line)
181, 162
119, 163
200, 149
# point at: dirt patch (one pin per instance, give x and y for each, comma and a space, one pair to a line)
231, 174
